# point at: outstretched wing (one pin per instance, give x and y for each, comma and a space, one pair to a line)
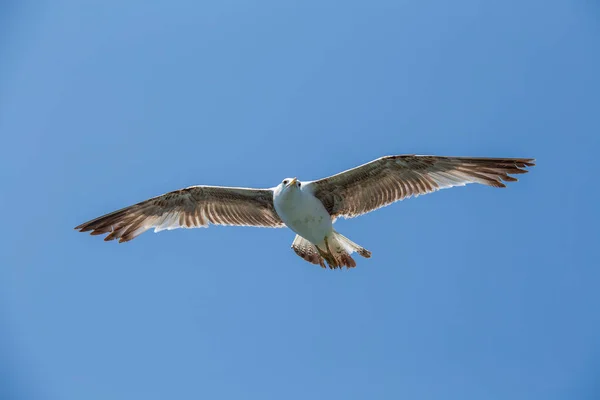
192, 207
392, 178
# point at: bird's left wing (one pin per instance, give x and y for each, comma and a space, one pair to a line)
392, 178
192, 207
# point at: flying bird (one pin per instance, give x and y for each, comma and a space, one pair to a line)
308, 208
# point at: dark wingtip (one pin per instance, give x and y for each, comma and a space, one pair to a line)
526, 162
85, 227
518, 166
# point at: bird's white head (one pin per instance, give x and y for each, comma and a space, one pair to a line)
289, 185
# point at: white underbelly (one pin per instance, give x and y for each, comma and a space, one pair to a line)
305, 215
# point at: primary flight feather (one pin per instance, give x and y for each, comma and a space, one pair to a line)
308, 208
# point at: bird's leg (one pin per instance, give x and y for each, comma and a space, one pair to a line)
331, 255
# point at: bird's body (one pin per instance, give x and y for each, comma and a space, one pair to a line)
303, 213
306, 215
308, 208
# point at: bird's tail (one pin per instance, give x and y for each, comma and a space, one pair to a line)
335, 250
307, 251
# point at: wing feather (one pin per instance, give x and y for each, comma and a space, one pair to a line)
393, 178
192, 207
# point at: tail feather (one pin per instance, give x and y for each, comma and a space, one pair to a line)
307, 251
350, 245
335, 251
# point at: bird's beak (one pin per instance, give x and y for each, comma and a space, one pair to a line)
292, 182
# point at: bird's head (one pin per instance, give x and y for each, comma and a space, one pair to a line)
290, 184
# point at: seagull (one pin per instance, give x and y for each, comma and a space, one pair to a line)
308, 208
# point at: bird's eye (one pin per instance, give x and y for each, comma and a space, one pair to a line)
298, 184
285, 182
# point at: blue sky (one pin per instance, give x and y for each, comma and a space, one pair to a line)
471, 293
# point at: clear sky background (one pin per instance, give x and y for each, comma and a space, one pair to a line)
471, 293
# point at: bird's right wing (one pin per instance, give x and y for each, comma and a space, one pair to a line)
192, 207
392, 178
